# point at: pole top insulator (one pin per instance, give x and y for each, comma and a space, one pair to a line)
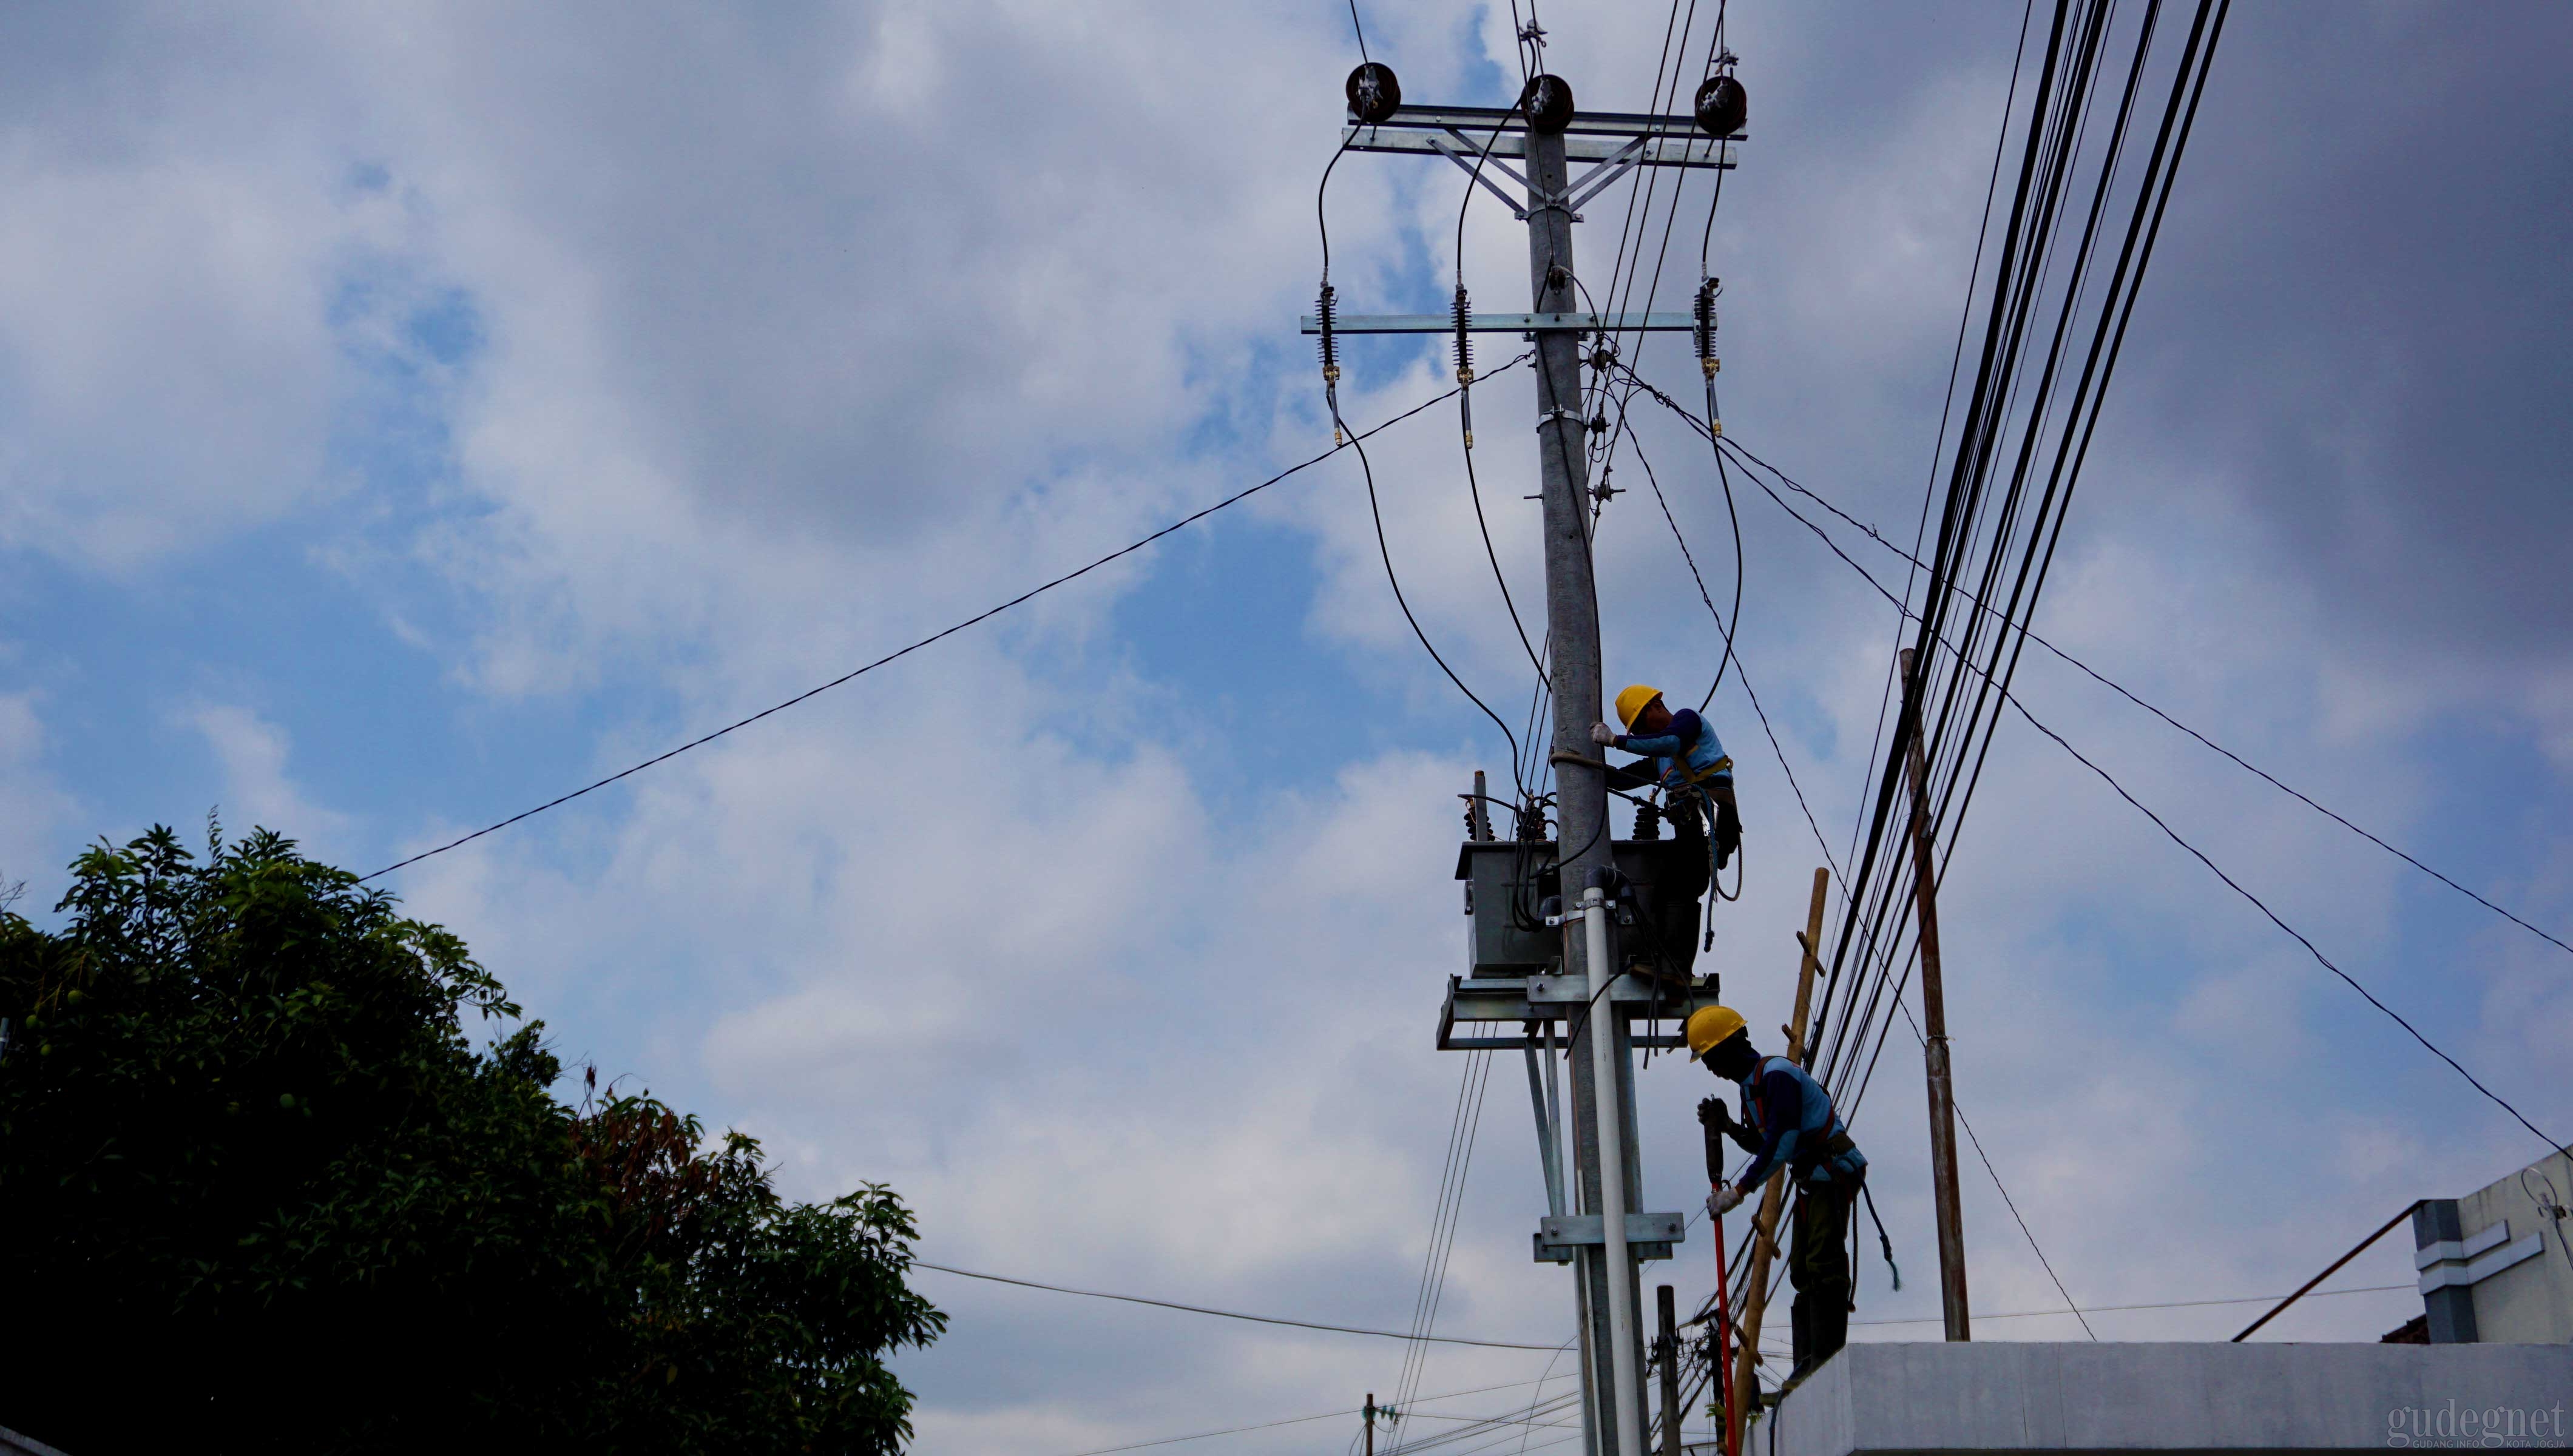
1722, 106
1547, 103
1373, 92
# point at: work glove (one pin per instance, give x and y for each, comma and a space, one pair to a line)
1602, 734
1723, 1201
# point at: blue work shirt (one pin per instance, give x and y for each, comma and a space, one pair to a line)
1690, 739
1794, 1118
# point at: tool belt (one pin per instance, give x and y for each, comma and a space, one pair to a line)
1833, 1160
1683, 776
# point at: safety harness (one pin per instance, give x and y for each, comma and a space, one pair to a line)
1823, 1146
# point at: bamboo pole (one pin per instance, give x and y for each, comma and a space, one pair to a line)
1773, 1196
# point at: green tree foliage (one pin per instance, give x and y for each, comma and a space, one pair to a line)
259, 1190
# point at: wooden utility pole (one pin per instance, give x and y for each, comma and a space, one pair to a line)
1667, 1346
1934, 1025
1773, 1195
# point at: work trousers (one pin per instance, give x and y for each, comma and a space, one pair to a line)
1818, 1267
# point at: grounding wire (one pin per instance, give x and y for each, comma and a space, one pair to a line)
1420, 1353
1384, 551
1438, 1220
945, 632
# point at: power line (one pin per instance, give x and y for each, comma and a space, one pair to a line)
1461, 1135
1390, 1334
2012, 699
1780, 750
1752, 459
2132, 696
1031, 593
2167, 1304
1384, 551
2298, 936
1299, 1420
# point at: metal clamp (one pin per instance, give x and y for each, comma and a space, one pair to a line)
1650, 1235
1545, 417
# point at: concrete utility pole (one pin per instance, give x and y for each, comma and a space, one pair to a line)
1612, 1341
1934, 1025
1600, 1237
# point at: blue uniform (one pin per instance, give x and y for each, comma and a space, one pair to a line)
1796, 1125
1791, 1117
1690, 740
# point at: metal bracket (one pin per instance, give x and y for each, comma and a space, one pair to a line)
1589, 183
1649, 1235
1440, 145
1669, 140
1577, 324
1539, 999
1545, 419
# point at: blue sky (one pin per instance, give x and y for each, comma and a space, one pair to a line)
406, 415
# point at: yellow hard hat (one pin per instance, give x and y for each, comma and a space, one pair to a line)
1632, 701
1709, 1026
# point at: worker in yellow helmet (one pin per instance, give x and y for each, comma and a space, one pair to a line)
1787, 1122
1684, 759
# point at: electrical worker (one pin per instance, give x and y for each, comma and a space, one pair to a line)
1689, 762
1787, 1122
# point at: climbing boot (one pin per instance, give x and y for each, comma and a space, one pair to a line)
1828, 1328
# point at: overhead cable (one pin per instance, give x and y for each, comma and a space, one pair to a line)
2164, 1304
2132, 696
1289, 1421
2012, 699
945, 632
1390, 1334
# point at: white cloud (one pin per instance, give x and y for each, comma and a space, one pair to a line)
797, 333
34, 808
251, 754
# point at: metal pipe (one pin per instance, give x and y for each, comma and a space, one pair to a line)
1553, 1104
2281, 1307
1546, 1139
1612, 1182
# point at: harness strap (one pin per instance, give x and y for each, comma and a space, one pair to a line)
1883, 1242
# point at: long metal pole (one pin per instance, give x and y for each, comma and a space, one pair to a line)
1934, 1025
1545, 1141
1624, 1388
1581, 789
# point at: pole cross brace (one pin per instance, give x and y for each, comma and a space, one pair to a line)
1576, 323
1521, 1001
1648, 1235
1449, 149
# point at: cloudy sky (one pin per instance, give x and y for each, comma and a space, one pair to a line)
410, 412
